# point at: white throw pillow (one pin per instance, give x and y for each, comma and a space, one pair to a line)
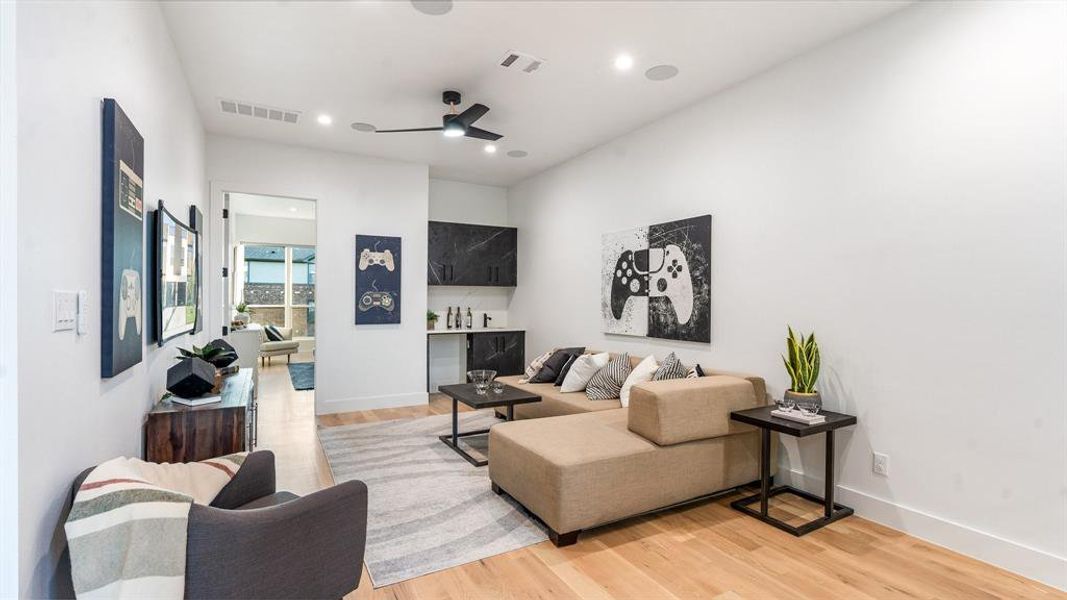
642, 372
583, 369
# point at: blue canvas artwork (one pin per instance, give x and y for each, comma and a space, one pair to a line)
377, 279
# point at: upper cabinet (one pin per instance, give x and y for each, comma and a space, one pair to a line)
465, 254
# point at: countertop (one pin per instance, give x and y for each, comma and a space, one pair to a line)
444, 331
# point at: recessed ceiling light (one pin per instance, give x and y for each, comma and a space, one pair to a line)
434, 8
325, 120
661, 72
518, 154
292, 209
490, 148
364, 127
624, 62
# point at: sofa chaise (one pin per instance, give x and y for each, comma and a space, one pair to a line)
586, 463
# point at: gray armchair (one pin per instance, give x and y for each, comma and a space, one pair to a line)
256, 542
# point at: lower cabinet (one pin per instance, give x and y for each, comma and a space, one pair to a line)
503, 352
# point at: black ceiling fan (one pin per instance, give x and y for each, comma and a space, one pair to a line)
456, 124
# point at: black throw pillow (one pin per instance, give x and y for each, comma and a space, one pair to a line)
555, 363
273, 334
566, 369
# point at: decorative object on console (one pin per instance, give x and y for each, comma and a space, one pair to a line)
191, 377
377, 280
431, 320
219, 353
607, 383
122, 252
802, 364
177, 252
582, 370
641, 373
555, 363
655, 281
670, 368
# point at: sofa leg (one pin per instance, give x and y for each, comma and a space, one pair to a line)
288, 358
496, 489
563, 539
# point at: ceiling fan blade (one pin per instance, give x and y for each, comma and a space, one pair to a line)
472, 114
481, 134
408, 130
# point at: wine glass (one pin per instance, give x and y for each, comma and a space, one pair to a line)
809, 407
785, 403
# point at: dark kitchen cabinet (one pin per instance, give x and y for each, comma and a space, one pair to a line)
475, 255
503, 352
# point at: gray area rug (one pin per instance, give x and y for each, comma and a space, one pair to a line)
428, 508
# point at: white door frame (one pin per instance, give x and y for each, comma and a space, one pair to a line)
9, 422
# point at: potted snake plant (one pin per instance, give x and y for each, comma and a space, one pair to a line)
802, 364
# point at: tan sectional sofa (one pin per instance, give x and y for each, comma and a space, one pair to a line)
591, 462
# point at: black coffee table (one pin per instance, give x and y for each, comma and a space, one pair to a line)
465, 393
761, 417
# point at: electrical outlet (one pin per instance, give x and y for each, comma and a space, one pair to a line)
881, 464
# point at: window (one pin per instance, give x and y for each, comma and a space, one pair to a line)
279, 286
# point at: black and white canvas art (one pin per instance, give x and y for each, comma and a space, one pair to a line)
656, 282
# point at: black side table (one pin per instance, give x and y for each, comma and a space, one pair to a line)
761, 417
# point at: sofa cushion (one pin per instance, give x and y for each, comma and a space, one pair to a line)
695, 372
555, 363
641, 373
607, 383
681, 410
582, 370
273, 335
553, 401
566, 369
536, 364
670, 368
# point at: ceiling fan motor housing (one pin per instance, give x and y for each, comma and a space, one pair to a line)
451, 97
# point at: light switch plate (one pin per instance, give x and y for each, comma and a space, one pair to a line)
64, 310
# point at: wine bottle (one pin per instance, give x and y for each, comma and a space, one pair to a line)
470, 319
448, 320
459, 319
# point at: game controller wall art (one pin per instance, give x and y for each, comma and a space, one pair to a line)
656, 282
377, 280
122, 251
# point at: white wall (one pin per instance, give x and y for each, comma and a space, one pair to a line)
364, 367
460, 202
901, 192
276, 230
70, 56
9, 426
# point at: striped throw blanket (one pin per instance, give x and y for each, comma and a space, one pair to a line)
127, 529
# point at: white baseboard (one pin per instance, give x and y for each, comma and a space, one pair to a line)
340, 405
1017, 558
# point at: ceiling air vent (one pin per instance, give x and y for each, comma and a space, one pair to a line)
521, 61
259, 111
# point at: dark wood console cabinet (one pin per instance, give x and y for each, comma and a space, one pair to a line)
475, 255
501, 351
175, 433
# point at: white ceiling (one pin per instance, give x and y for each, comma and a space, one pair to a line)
271, 206
383, 62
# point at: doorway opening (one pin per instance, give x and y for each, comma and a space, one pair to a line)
271, 247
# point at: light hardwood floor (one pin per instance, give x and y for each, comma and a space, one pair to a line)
705, 550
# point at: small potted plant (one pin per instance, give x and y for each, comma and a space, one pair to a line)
218, 354
242, 315
431, 320
802, 364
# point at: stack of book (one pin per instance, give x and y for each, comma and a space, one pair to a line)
799, 417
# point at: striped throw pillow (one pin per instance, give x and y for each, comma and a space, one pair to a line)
670, 368
607, 383
695, 372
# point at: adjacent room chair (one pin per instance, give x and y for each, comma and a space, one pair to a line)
287, 346
256, 542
